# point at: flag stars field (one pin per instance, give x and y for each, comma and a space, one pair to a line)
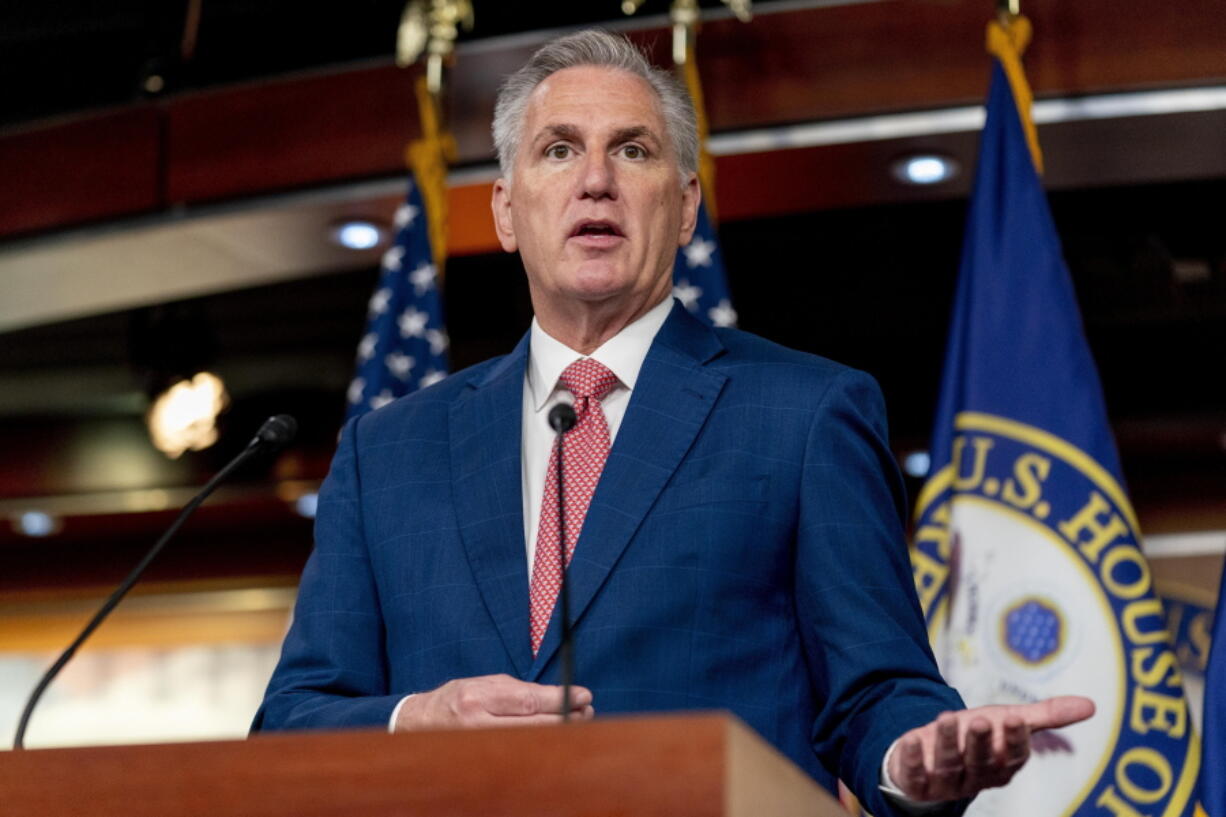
687, 293
405, 344
356, 387
406, 214
379, 302
412, 323
698, 253
698, 276
400, 364
722, 314
438, 341
393, 258
422, 278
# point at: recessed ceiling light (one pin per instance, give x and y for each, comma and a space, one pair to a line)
925, 169
358, 234
916, 463
36, 523
306, 504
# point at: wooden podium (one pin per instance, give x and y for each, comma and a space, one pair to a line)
671, 766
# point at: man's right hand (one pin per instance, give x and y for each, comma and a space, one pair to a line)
491, 700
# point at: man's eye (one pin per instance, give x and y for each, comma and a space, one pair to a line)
557, 151
634, 152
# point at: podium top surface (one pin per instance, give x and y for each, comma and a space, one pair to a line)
674, 765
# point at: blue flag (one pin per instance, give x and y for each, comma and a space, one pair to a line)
1026, 551
405, 345
1213, 773
698, 276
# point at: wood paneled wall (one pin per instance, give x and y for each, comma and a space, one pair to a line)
352, 123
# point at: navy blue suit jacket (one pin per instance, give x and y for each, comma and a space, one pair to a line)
743, 551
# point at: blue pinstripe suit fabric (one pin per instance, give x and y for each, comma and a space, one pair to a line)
743, 551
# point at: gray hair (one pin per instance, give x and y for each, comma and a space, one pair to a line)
598, 48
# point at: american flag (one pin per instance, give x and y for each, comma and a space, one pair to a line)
698, 276
404, 347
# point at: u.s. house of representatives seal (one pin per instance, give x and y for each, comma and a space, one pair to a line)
1028, 567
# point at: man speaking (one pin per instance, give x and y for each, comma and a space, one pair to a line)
732, 511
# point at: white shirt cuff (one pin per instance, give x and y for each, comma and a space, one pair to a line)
892, 791
391, 722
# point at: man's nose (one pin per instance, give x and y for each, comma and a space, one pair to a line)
599, 180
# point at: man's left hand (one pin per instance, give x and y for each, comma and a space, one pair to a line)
961, 753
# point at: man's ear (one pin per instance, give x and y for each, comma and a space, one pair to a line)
691, 195
500, 203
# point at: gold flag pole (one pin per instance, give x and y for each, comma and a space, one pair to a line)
430, 27
686, 18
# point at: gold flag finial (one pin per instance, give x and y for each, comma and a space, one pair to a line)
685, 16
741, 9
431, 27
412, 34
1008, 9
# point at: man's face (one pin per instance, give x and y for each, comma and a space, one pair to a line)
595, 204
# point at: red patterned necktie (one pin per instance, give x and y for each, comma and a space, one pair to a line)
587, 447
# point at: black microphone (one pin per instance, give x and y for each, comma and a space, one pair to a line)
562, 419
276, 433
273, 435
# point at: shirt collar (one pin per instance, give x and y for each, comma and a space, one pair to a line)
623, 353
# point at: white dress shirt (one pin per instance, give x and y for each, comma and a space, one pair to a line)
623, 354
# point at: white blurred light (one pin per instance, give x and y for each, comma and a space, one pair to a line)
358, 235
916, 463
36, 523
184, 417
305, 505
925, 169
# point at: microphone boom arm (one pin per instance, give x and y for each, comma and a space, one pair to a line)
276, 432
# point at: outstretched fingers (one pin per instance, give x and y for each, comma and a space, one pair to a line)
960, 754
1056, 712
978, 755
948, 766
914, 775
1016, 748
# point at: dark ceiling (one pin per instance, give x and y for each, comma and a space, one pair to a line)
74, 54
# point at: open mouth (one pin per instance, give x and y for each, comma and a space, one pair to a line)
597, 232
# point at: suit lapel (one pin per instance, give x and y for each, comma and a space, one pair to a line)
669, 405
486, 476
